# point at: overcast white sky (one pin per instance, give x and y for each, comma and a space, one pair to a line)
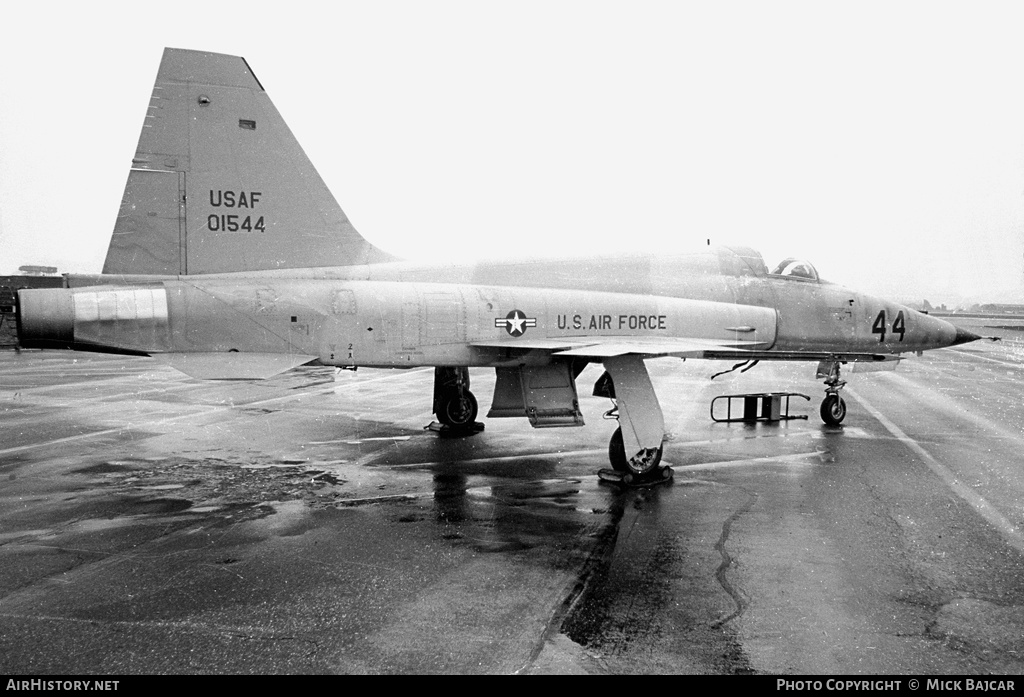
884, 141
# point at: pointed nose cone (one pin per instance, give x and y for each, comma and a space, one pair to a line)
963, 336
940, 333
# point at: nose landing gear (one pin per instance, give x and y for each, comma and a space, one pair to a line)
833, 408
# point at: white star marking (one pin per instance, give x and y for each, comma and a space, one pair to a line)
516, 322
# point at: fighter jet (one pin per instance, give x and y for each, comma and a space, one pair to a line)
230, 259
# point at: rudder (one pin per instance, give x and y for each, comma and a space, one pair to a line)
219, 183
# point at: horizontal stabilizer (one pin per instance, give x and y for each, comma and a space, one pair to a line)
233, 365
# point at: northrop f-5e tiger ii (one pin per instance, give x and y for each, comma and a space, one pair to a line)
230, 258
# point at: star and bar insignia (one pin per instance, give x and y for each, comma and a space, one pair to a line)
515, 322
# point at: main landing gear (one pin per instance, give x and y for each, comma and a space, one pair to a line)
642, 467
833, 408
455, 406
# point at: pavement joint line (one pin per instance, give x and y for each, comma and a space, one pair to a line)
170, 419
1000, 361
34, 393
958, 410
106, 560
740, 439
188, 626
503, 458
594, 451
382, 499
209, 410
397, 372
987, 511
768, 460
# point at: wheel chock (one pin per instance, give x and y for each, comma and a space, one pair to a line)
659, 475
446, 431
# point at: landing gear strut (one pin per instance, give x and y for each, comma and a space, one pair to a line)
642, 467
454, 405
833, 408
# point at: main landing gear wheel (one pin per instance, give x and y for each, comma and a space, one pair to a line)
458, 410
833, 410
642, 470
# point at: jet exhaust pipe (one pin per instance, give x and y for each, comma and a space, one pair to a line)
117, 320
45, 318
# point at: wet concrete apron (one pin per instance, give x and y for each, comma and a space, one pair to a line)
150, 523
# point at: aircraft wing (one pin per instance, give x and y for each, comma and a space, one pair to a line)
608, 346
233, 366
656, 346
536, 344
754, 355
653, 347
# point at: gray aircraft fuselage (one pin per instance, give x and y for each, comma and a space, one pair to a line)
403, 314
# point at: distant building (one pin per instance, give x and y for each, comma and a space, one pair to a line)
38, 270
1001, 309
926, 307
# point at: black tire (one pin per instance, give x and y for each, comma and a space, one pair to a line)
617, 456
458, 411
617, 452
833, 410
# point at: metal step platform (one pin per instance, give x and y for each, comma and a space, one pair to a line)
761, 406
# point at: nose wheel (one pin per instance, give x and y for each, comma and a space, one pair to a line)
833, 408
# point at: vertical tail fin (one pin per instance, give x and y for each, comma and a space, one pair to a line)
219, 183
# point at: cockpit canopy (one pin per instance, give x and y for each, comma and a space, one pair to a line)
796, 268
744, 261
